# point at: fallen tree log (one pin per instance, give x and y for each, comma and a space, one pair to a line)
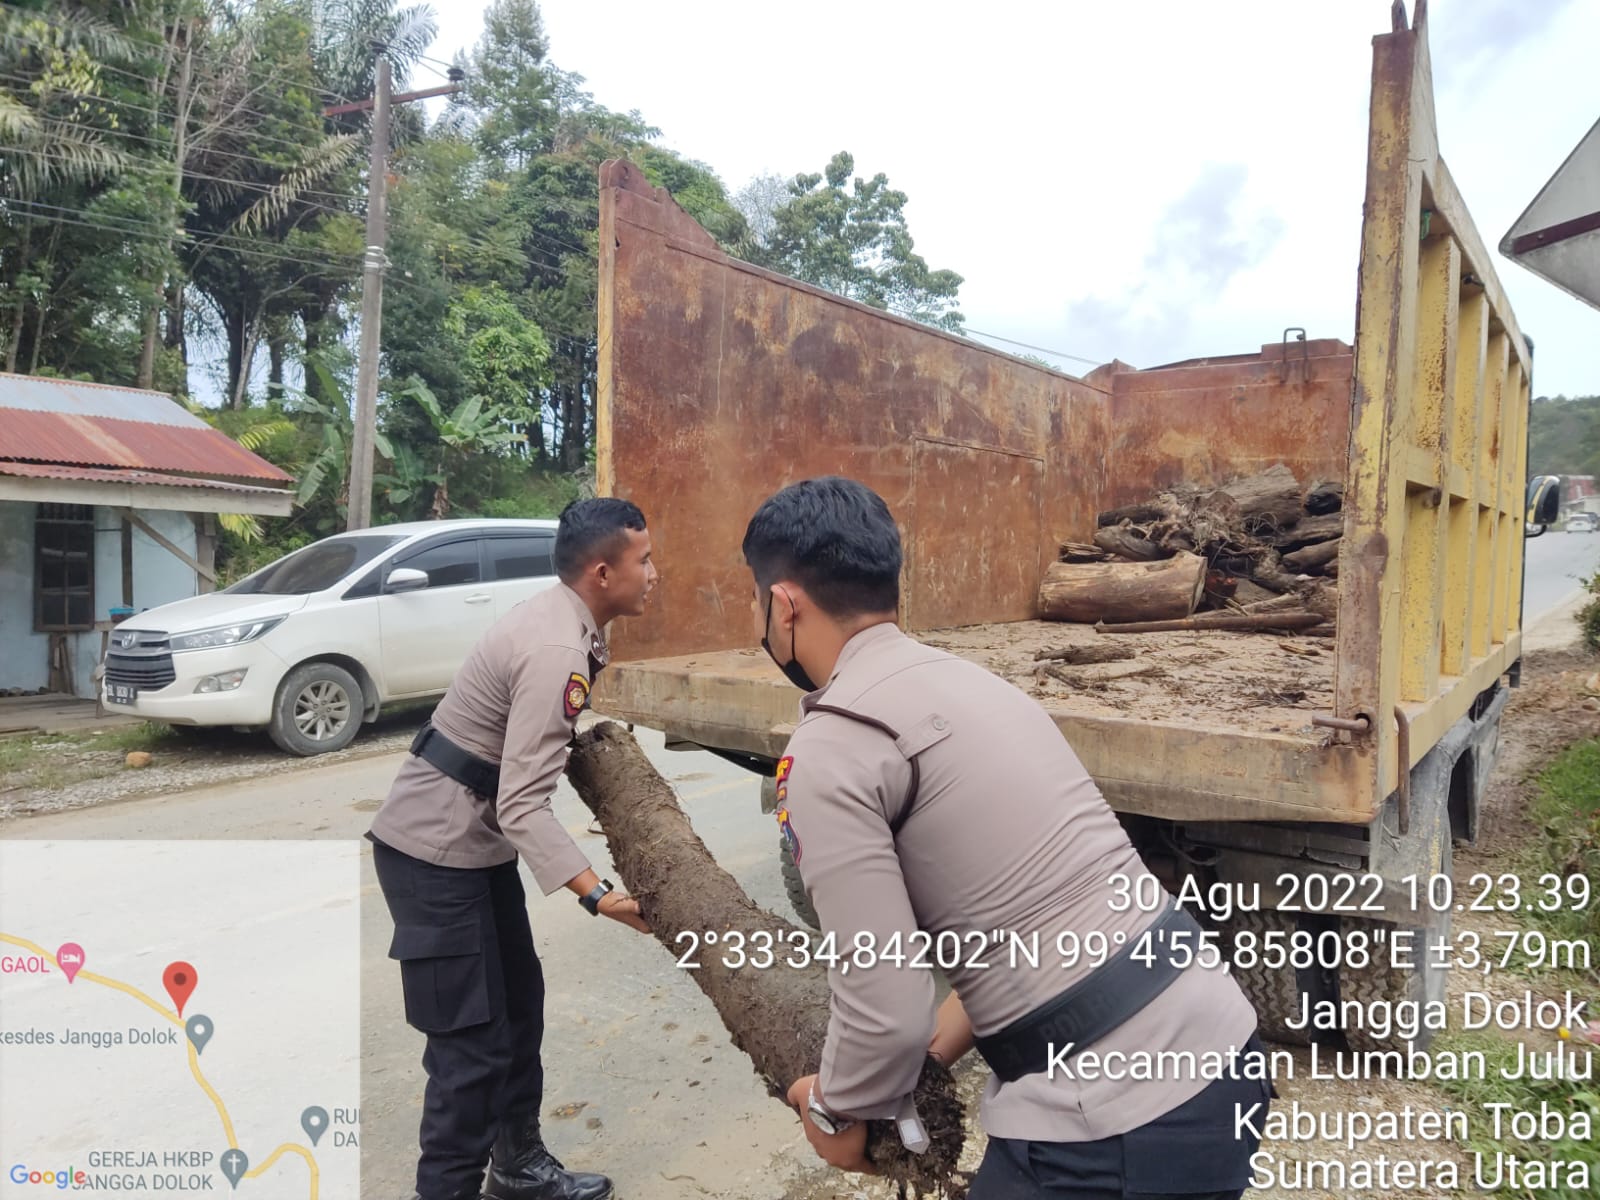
1324, 497
1122, 591
1313, 556
1125, 543
1138, 514
1262, 504
1309, 531
1234, 621
778, 1017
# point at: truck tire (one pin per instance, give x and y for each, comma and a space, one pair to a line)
795, 887
1422, 982
1274, 993
318, 710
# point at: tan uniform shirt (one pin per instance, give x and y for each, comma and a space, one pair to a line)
1008, 833
515, 701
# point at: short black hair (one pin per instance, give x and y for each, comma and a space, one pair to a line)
835, 538
589, 530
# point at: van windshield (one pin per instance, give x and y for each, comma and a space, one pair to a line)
314, 567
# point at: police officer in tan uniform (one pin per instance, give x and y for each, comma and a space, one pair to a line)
474, 795
921, 794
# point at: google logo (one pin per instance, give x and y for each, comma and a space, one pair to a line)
55, 1179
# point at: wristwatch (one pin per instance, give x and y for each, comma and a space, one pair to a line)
592, 900
823, 1119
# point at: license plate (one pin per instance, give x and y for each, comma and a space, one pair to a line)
120, 693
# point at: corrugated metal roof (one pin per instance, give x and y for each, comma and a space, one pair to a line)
95, 475
69, 435
36, 394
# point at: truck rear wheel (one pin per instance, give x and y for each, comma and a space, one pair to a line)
1274, 993
1423, 981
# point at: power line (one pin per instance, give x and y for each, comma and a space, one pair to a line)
128, 227
112, 101
162, 172
995, 337
69, 27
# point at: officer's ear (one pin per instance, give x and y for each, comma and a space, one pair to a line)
787, 602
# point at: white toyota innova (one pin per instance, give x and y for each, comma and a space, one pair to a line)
312, 644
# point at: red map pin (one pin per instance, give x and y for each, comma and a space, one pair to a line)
179, 978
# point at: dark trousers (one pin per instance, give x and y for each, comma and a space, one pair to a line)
1189, 1153
473, 984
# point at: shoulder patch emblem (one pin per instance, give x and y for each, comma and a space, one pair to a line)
790, 838
785, 765
576, 695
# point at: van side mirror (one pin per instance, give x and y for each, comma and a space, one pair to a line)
405, 579
1544, 504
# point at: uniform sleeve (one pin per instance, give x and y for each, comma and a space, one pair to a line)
538, 728
840, 782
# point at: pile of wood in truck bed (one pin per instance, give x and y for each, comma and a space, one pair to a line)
1237, 681
1259, 553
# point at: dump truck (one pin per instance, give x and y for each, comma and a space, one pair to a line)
1333, 785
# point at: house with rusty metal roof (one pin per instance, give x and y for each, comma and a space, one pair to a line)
108, 505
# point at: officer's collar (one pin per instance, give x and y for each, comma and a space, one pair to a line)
860, 643
591, 627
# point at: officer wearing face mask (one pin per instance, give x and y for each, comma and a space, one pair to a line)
920, 792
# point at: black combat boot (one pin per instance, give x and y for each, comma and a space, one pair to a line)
521, 1168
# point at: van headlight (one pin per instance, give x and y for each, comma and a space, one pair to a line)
224, 635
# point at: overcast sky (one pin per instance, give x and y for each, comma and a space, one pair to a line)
1149, 181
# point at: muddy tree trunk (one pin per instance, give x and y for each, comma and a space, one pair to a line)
779, 1017
1123, 591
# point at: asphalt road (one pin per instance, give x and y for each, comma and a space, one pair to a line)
1552, 566
636, 1060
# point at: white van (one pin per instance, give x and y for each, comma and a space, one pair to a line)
312, 644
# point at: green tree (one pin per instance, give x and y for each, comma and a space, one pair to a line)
853, 240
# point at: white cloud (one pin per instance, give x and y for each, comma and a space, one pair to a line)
1042, 146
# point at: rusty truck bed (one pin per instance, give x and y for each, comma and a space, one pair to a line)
1225, 716
719, 382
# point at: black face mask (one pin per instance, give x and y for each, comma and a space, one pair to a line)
792, 670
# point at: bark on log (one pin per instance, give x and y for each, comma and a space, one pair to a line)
1080, 656
1137, 514
1324, 497
1286, 603
1150, 591
1078, 552
1127, 544
1234, 621
1322, 599
1312, 556
1311, 530
778, 1017
1249, 592
1265, 504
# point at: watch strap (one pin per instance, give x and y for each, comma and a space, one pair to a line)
592, 900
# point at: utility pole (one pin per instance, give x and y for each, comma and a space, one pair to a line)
359, 511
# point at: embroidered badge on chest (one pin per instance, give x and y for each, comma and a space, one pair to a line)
577, 695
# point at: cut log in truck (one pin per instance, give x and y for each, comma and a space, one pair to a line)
1292, 794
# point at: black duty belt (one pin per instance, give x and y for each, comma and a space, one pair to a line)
1093, 1006
466, 768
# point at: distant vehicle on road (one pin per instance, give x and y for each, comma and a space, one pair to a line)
1583, 522
313, 644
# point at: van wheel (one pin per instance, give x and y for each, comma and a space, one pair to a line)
795, 887
318, 710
